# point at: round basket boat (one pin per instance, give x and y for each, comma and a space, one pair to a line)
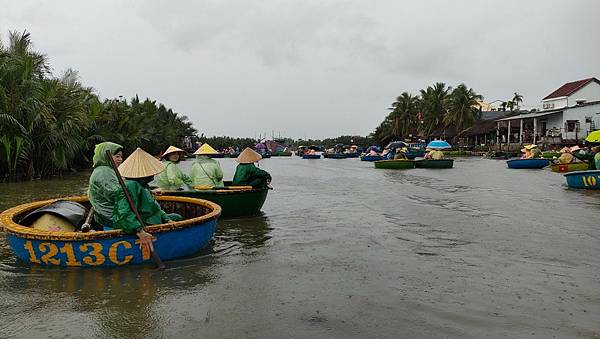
112, 248
565, 168
234, 202
395, 164
371, 158
433, 163
527, 163
311, 156
584, 179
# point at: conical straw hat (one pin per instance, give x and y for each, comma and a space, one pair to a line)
140, 165
205, 150
172, 149
248, 156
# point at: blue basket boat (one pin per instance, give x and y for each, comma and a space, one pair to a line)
112, 248
584, 179
311, 156
371, 158
527, 163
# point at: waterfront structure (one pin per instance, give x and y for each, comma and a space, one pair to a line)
569, 114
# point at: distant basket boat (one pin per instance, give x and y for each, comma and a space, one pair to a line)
394, 164
584, 179
311, 156
112, 248
371, 158
352, 154
282, 154
527, 163
432, 163
565, 168
334, 155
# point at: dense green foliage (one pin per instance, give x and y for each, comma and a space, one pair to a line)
50, 124
436, 107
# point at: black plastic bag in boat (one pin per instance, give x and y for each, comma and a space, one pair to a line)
72, 211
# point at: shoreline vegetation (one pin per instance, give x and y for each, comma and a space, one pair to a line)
50, 124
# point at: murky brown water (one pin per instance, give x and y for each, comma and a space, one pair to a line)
343, 251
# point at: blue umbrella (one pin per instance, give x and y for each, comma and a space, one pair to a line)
374, 148
438, 144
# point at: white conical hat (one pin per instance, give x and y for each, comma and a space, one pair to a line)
172, 149
205, 149
140, 164
248, 156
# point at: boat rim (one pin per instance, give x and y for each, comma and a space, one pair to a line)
582, 172
212, 192
11, 227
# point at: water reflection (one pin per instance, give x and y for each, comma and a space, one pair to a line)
248, 234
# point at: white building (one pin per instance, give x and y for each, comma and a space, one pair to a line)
569, 114
568, 94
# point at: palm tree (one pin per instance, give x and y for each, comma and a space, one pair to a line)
462, 107
517, 99
404, 114
432, 106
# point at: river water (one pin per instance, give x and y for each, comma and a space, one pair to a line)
343, 251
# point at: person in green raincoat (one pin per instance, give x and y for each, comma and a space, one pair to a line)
591, 157
139, 170
246, 174
206, 171
172, 179
103, 183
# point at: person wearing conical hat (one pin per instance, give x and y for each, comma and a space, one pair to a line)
103, 184
172, 178
247, 174
138, 170
206, 171
401, 153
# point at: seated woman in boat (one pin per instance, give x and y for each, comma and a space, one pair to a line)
103, 184
565, 156
246, 174
401, 154
139, 170
531, 152
172, 179
434, 154
206, 171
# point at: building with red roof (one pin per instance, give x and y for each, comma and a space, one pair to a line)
569, 94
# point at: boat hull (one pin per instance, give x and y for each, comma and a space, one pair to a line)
335, 155
565, 168
371, 158
394, 164
527, 163
311, 156
112, 248
234, 203
352, 155
584, 179
431, 163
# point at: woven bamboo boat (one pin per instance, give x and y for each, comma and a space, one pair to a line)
112, 248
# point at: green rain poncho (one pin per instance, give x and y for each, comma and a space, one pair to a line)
124, 219
588, 157
103, 183
250, 175
206, 172
172, 179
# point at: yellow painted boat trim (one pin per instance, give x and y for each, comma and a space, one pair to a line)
7, 217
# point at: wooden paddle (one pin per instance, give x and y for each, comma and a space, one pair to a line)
86, 227
155, 256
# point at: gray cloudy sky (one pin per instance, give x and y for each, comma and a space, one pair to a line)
307, 68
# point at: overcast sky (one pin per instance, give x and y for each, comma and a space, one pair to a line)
310, 69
